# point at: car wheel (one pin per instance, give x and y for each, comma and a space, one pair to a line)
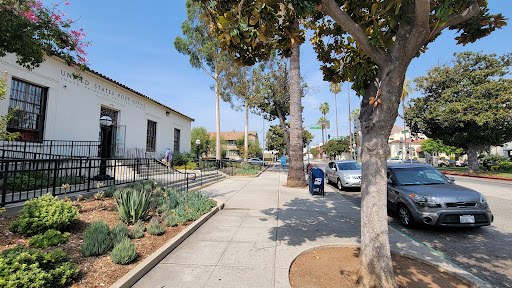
340, 186
405, 216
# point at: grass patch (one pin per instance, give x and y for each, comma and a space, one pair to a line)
464, 171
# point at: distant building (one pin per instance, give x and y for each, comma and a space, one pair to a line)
232, 151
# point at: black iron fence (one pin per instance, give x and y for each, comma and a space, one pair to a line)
22, 179
48, 149
226, 166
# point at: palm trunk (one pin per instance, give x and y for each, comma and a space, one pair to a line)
246, 137
350, 125
376, 267
336, 109
217, 113
296, 175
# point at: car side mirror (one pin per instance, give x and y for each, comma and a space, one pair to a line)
452, 179
333, 168
391, 182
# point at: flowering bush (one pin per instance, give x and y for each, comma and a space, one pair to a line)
32, 30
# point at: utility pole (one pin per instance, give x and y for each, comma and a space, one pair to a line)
350, 122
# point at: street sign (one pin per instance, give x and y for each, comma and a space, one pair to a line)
336, 138
405, 131
315, 127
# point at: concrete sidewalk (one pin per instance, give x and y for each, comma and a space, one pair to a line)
262, 228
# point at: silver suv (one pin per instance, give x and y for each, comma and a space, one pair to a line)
421, 194
345, 173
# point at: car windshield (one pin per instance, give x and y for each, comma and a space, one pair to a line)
349, 166
419, 176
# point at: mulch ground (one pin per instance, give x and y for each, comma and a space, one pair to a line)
339, 267
98, 271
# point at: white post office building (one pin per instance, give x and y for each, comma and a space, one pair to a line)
54, 105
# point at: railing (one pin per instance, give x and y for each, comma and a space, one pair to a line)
21, 180
48, 149
227, 166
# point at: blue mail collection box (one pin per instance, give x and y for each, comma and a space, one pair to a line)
316, 181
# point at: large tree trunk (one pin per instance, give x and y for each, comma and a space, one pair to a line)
217, 113
376, 267
473, 158
246, 136
296, 177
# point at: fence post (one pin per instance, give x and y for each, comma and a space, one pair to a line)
4, 186
135, 169
55, 177
89, 175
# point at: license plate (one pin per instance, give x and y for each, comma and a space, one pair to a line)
467, 219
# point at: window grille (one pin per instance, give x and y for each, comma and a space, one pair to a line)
151, 137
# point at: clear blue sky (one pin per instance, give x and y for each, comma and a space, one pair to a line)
133, 44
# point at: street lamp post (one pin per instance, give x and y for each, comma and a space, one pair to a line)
105, 123
197, 151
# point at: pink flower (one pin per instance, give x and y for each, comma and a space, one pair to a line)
81, 241
21, 241
8, 233
66, 3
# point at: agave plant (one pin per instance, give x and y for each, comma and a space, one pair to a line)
133, 205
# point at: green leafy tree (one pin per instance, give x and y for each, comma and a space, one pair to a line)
275, 138
201, 134
369, 43
32, 31
202, 47
254, 149
336, 147
466, 104
314, 151
241, 86
437, 146
223, 144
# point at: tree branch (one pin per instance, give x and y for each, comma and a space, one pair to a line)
329, 7
420, 29
455, 19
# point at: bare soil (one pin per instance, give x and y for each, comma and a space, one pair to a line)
339, 267
98, 271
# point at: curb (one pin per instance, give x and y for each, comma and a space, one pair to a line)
477, 176
129, 279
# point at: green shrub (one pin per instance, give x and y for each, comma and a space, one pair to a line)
192, 206
133, 205
124, 252
137, 230
37, 179
170, 220
44, 213
119, 232
22, 267
97, 240
506, 166
109, 192
247, 170
155, 228
49, 238
180, 159
493, 158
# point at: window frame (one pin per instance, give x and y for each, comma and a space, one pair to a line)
151, 136
30, 94
177, 140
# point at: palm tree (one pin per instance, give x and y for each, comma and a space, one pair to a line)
324, 109
324, 123
406, 90
353, 114
335, 88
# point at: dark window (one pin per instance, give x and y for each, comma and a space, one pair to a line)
29, 117
176, 140
151, 138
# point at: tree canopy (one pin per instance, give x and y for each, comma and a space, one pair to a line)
202, 134
32, 31
437, 146
467, 104
275, 138
336, 147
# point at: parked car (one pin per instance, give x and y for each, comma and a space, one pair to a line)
421, 194
414, 161
345, 173
461, 164
257, 161
395, 160
447, 163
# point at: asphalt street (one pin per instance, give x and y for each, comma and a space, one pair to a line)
486, 251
